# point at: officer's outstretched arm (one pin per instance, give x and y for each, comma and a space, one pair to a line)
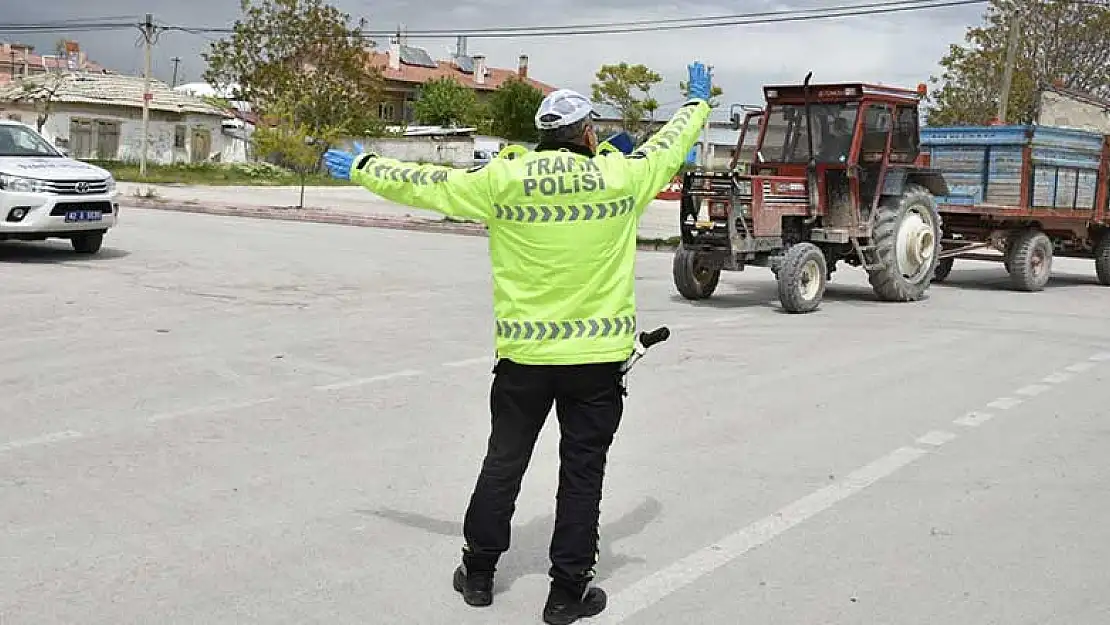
654, 163
453, 192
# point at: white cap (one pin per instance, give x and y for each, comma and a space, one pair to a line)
563, 107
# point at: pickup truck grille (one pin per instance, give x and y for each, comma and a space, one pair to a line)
62, 208
76, 187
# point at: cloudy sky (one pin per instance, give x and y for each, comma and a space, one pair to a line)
897, 49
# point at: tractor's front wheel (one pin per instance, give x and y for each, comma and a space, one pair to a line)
906, 239
693, 278
802, 277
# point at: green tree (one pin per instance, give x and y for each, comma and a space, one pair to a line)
512, 111
627, 88
715, 92
286, 139
1059, 40
305, 55
446, 102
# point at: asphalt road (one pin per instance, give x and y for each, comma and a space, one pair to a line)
231, 421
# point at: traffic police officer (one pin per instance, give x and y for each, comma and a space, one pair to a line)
562, 224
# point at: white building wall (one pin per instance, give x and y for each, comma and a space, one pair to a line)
162, 129
1059, 110
457, 151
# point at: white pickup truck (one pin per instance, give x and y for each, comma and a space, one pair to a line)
44, 194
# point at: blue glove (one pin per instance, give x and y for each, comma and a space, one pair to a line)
339, 161
700, 83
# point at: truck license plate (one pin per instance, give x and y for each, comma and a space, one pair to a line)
78, 216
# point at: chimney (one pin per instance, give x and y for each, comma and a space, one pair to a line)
522, 66
480, 69
460, 45
395, 54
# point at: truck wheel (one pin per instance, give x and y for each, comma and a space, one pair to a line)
87, 243
907, 242
1030, 261
944, 267
802, 278
1102, 260
693, 278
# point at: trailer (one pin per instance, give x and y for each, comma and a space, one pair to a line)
1028, 193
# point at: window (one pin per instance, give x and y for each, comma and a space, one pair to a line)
387, 111
786, 141
107, 140
179, 137
905, 130
19, 141
81, 138
876, 126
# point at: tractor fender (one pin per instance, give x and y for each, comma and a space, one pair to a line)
897, 179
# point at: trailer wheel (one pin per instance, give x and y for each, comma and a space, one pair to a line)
1029, 261
1102, 260
944, 267
802, 278
907, 241
693, 278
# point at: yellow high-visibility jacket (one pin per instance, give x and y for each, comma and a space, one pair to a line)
562, 229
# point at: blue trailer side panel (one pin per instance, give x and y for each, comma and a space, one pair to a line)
983, 165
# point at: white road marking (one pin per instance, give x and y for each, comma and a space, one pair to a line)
1032, 390
1005, 403
936, 438
177, 414
1080, 367
974, 419
45, 439
681, 326
649, 590
407, 373
1101, 357
469, 362
1057, 378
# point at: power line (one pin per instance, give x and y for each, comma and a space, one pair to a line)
614, 28
642, 25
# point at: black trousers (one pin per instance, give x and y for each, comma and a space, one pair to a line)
589, 402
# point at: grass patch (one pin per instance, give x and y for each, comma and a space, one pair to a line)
216, 174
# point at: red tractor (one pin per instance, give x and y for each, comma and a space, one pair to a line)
854, 189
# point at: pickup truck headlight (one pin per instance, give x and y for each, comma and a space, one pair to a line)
111, 184
21, 185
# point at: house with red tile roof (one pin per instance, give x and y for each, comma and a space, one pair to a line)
18, 60
405, 68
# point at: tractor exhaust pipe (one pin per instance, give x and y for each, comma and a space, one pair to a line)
811, 165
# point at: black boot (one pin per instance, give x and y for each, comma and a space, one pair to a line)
476, 586
565, 606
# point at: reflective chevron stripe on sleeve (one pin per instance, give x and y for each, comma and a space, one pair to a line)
560, 330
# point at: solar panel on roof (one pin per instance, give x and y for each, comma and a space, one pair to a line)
416, 56
465, 64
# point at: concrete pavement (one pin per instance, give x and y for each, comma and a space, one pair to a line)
235, 420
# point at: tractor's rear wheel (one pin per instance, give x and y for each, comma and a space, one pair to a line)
693, 278
1102, 259
907, 241
1029, 261
802, 278
944, 267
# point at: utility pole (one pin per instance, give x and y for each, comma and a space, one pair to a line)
148, 42
176, 61
1008, 72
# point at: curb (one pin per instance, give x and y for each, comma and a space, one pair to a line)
325, 216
